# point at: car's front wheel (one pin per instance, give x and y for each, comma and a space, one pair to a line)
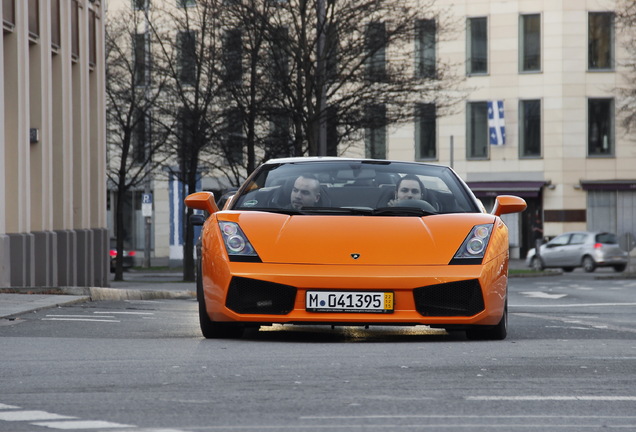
620, 268
588, 264
537, 264
496, 332
213, 329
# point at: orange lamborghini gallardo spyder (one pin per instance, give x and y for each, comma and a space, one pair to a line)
353, 242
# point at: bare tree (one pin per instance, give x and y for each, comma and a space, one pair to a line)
130, 99
626, 24
189, 56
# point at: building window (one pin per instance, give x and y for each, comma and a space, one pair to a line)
279, 55
233, 55
186, 43
92, 38
34, 18
425, 131
8, 12
55, 24
375, 132
425, 47
530, 38
139, 138
477, 130
186, 3
279, 143
477, 46
530, 128
375, 45
600, 127
74, 30
601, 41
235, 140
140, 47
140, 4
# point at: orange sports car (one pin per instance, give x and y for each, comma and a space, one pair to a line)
353, 242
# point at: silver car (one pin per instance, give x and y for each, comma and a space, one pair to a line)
579, 249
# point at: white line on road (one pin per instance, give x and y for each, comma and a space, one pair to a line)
80, 319
530, 398
3, 406
568, 320
124, 313
82, 424
572, 305
31, 416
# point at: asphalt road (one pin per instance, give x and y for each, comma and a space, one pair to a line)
569, 364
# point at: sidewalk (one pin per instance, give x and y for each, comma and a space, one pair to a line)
138, 285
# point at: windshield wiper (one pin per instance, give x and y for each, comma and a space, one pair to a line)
401, 211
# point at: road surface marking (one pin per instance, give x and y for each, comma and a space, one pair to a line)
82, 424
31, 416
530, 398
543, 295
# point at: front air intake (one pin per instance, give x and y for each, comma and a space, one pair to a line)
462, 298
253, 296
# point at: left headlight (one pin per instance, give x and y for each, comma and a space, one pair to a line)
473, 248
237, 245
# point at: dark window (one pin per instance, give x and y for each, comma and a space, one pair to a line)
477, 133
279, 142
530, 128
140, 59
375, 132
186, 3
8, 12
186, 42
55, 23
92, 38
140, 4
233, 55
425, 131
74, 29
375, 43
600, 127
601, 40
139, 138
530, 52
332, 131
425, 48
332, 51
279, 54
235, 140
34, 18
477, 45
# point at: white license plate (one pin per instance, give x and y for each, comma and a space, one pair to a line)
349, 301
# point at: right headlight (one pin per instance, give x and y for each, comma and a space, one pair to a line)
237, 245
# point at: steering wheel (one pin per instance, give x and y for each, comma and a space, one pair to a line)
415, 203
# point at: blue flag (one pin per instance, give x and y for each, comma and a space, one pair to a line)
496, 124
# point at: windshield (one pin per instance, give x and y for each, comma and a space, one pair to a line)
355, 187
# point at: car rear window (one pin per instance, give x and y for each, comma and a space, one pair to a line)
606, 238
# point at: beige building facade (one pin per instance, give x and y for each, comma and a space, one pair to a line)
556, 67
52, 144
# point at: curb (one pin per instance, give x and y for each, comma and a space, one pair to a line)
99, 293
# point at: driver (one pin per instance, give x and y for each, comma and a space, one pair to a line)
306, 192
409, 187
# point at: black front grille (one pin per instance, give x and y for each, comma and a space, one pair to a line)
462, 298
252, 296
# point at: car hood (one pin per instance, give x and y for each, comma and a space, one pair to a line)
374, 240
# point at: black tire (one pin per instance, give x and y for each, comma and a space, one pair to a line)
568, 269
588, 264
620, 268
213, 329
537, 264
496, 332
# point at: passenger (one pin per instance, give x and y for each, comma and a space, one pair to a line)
409, 187
306, 192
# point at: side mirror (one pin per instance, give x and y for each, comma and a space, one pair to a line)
202, 201
506, 204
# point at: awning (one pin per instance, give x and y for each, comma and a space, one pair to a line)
609, 185
524, 189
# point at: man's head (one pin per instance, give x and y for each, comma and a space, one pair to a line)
306, 192
409, 187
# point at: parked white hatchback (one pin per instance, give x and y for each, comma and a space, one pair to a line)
579, 249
